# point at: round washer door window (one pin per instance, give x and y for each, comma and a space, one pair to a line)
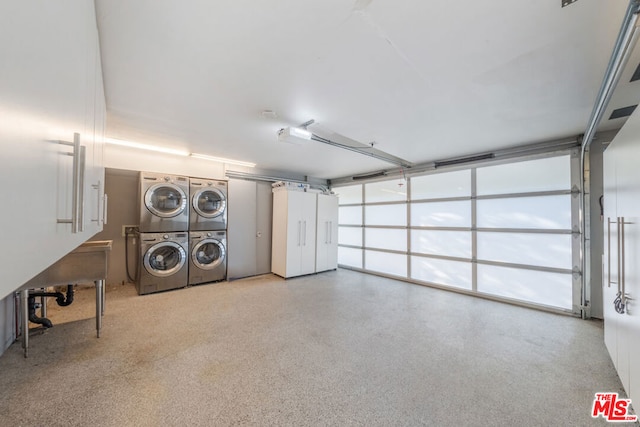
164, 259
209, 202
208, 254
165, 200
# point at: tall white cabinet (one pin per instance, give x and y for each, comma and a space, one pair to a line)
293, 241
51, 85
327, 232
621, 269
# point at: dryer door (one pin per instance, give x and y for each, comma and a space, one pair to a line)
164, 259
209, 202
165, 200
208, 254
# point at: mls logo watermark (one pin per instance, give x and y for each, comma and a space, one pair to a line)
612, 409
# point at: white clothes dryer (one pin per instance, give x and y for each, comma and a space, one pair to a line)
163, 262
208, 207
207, 256
163, 202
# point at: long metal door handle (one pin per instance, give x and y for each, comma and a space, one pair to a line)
622, 278
81, 172
326, 232
105, 199
618, 231
75, 183
608, 252
299, 224
97, 188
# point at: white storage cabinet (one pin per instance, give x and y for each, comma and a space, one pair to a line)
621, 268
293, 248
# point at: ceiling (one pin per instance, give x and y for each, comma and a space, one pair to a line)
424, 80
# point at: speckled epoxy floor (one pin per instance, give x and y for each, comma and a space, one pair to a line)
337, 348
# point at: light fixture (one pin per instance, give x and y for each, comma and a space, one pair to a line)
294, 135
148, 147
223, 160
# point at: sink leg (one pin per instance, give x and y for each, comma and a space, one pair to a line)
24, 320
43, 305
99, 297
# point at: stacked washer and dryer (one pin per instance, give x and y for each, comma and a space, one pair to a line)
207, 231
182, 232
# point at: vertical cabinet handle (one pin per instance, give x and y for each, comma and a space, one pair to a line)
609, 282
299, 225
76, 188
620, 302
97, 188
105, 199
80, 189
101, 200
326, 232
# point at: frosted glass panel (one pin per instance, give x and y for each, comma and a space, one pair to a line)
436, 242
348, 195
351, 215
540, 287
385, 191
439, 185
350, 236
549, 174
548, 250
441, 214
441, 272
386, 215
384, 238
382, 262
350, 257
546, 212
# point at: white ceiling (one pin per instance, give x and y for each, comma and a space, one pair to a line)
425, 80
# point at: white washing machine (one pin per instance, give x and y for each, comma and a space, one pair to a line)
207, 256
163, 262
163, 202
208, 208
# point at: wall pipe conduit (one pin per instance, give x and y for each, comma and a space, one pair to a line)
627, 38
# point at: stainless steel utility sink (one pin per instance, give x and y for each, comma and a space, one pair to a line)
87, 263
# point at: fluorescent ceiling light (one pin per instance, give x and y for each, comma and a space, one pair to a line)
140, 146
294, 135
223, 160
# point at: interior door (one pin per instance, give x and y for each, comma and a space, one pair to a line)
264, 213
241, 241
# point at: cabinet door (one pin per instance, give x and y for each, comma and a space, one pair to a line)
308, 238
327, 233
295, 222
610, 268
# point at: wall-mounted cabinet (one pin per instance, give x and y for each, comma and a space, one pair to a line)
51, 85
